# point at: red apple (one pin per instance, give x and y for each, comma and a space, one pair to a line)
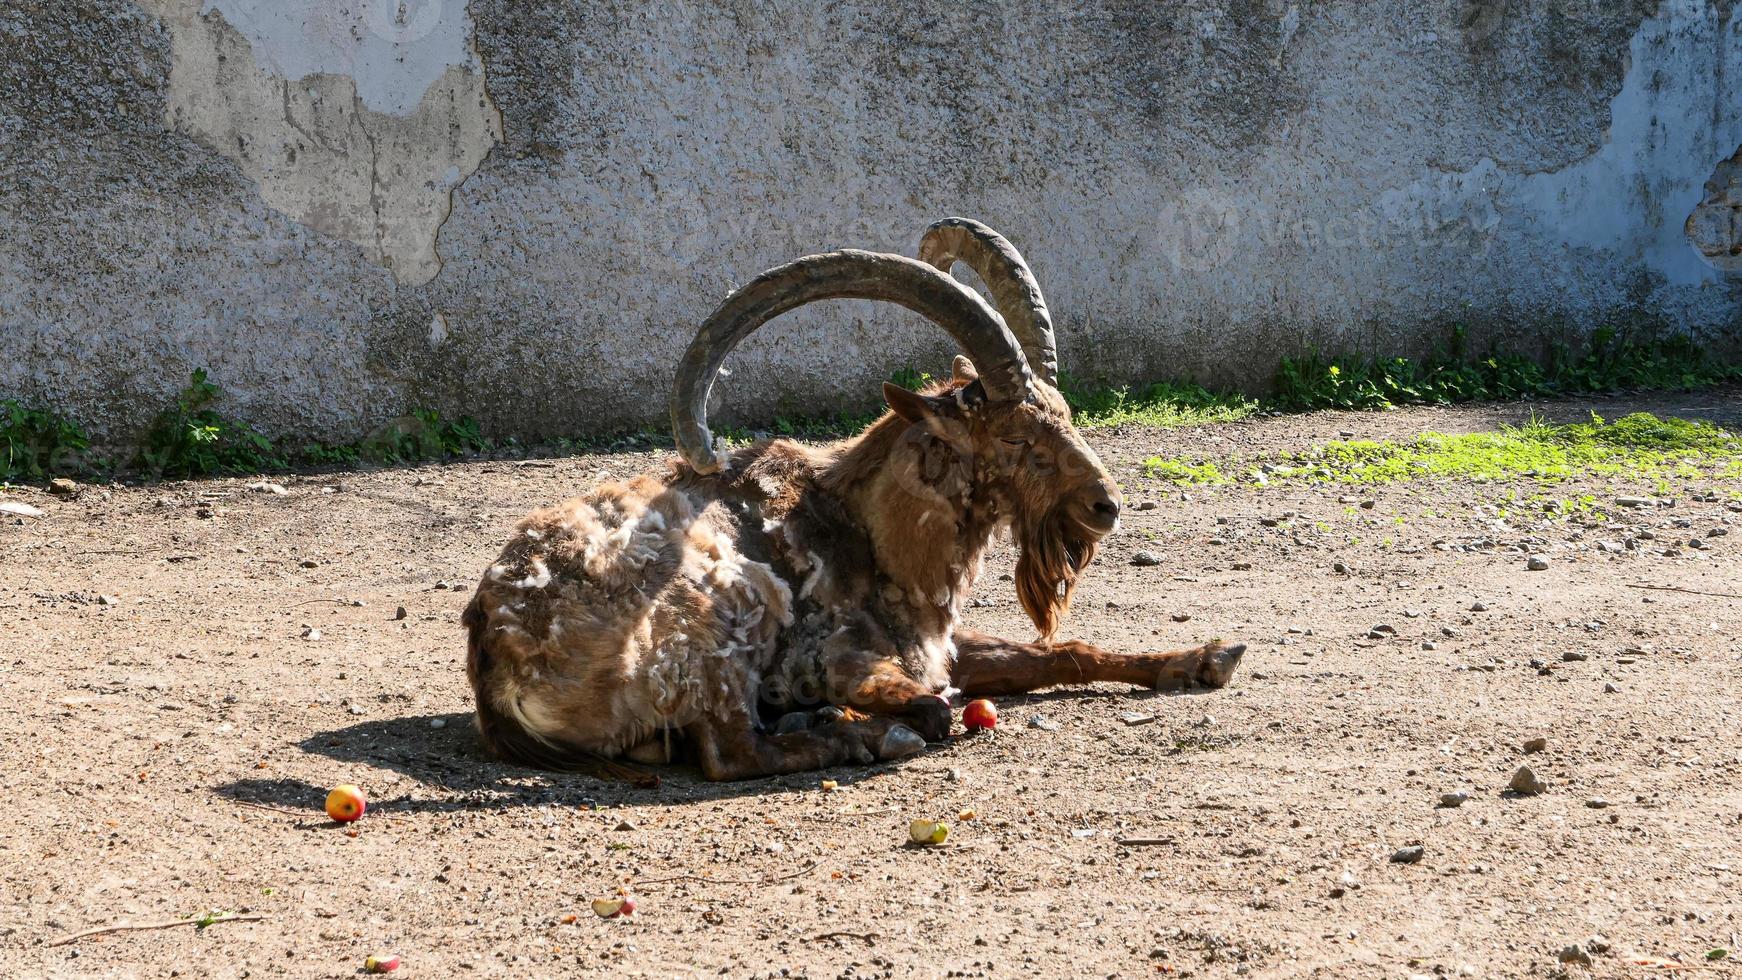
346, 803
979, 714
614, 907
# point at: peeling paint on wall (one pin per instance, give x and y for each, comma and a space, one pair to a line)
357, 121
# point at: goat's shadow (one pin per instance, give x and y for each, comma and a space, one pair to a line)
443, 753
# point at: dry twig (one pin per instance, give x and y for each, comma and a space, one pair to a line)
1677, 588
202, 921
807, 869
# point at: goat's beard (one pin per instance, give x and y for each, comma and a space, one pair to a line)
1055, 549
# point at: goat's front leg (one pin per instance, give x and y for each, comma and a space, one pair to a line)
730, 747
986, 665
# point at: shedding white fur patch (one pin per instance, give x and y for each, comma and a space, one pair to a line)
539, 578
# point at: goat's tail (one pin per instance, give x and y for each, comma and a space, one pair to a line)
507, 739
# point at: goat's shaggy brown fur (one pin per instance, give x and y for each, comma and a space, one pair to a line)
707, 609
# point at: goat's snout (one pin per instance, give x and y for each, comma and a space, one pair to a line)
1104, 501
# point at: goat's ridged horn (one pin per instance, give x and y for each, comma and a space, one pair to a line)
847, 274
1007, 277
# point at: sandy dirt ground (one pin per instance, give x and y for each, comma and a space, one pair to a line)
188, 667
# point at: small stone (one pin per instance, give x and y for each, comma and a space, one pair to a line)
1146, 559
309, 563
1597, 803
1478, 607
1697, 544
357, 709
1181, 617
438, 723
1574, 656
444, 584
1218, 542
1429, 645
1633, 502
1408, 855
1452, 801
400, 613
1609, 687
1645, 535
1340, 568
60, 486
264, 487
1537, 563
1369, 504
1575, 954
1043, 723
953, 775
1135, 718
108, 600
1148, 505
1718, 532
1525, 782
1385, 628
624, 825
1535, 745
311, 634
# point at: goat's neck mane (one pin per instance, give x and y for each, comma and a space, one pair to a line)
926, 539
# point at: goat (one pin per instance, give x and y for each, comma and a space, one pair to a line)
784, 607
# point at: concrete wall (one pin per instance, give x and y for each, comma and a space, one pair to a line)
520, 209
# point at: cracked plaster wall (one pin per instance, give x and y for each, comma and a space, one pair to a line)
519, 209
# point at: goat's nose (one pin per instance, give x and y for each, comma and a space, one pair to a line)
1105, 503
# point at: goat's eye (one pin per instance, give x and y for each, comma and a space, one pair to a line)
1014, 443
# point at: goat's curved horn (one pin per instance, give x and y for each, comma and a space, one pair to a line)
1007, 277
848, 274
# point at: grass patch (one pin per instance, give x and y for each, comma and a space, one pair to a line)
1640, 445
1163, 404
36, 444
1609, 362
190, 438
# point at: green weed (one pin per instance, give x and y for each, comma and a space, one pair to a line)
190, 438
36, 443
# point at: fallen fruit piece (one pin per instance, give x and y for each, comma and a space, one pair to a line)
381, 963
611, 908
967, 814
980, 714
345, 803
829, 785
928, 832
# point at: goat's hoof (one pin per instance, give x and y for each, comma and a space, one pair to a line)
929, 715
793, 721
899, 743
829, 713
1219, 664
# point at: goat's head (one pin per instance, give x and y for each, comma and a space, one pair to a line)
1009, 428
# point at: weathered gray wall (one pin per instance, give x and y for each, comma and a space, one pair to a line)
521, 208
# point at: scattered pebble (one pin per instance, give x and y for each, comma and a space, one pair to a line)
1537, 563
1478, 607
1609, 687
1452, 801
1634, 502
1148, 505
1408, 855
1597, 803
1535, 745
1135, 718
1043, 723
625, 825
438, 723
1574, 656
1146, 559
1429, 645
400, 613
60, 486
1340, 568
265, 487
311, 634
1575, 954
1525, 782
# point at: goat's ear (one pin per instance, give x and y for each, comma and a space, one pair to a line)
963, 369
912, 405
